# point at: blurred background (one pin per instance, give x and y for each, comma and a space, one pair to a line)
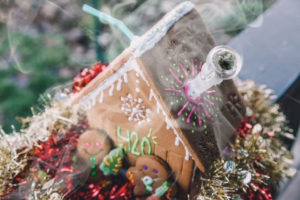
45, 43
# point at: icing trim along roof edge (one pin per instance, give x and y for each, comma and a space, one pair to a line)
159, 30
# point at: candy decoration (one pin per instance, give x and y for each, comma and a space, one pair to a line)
148, 181
112, 162
160, 191
87, 75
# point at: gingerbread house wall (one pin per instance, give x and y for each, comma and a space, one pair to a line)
127, 105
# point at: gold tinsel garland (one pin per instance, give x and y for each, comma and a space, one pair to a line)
258, 150
258, 99
15, 147
261, 150
226, 179
11, 166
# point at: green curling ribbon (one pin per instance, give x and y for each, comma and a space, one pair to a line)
146, 140
160, 191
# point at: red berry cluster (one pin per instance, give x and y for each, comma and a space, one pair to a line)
245, 127
87, 75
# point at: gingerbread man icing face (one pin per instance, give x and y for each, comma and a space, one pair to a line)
149, 174
93, 145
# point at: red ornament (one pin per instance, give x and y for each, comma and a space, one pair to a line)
87, 75
244, 127
258, 192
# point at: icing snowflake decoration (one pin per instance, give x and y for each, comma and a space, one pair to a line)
134, 109
194, 111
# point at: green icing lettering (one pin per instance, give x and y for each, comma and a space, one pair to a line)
126, 139
146, 140
134, 146
129, 140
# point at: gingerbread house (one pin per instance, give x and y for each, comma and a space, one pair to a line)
140, 99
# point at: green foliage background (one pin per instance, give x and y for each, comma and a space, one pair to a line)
32, 63
40, 58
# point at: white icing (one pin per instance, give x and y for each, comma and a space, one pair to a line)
168, 127
150, 95
177, 141
119, 86
111, 90
125, 78
89, 100
169, 123
133, 108
93, 102
137, 81
101, 97
90, 104
84, 107
149, 40
137, 90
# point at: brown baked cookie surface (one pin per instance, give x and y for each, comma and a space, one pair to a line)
93, 145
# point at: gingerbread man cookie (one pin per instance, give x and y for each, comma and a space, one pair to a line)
92, 146
150, 176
